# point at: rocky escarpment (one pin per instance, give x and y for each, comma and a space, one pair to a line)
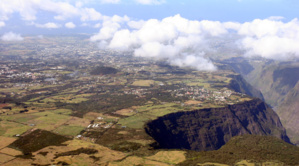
209, 129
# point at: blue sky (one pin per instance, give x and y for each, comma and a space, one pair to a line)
218, 10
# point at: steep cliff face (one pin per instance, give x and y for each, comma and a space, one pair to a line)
239, 84
209, 129
275, 81
279, 83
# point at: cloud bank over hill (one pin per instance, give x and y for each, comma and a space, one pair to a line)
176, 39
183, 42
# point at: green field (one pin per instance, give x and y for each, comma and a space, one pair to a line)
48, 120
69, 130
145, 83
62, 111
10, 129
149, 112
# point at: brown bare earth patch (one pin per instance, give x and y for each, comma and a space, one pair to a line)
18, 162
115, 136
74, 152
252, 163
192, 102
5, 141
170, 157
3, 105
81, 159
78, 121
214, 164
5, 158
134, 160
123, 132
91, 115
11, 151
125, 112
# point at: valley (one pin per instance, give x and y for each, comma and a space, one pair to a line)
278, 82
100, 107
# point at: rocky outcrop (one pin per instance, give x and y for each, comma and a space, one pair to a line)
209, 129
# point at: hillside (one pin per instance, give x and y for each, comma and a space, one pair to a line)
256, 150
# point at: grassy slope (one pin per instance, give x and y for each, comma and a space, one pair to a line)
248, 147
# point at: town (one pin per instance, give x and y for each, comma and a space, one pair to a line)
86, 94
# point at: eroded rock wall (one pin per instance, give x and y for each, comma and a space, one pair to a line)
209, 129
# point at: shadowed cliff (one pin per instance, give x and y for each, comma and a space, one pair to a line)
209, 129
279, 84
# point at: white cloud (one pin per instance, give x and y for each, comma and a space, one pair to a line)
85, 25
10, 36
24, 8
79, 4
111, 1
107, 31
151, 2
28, 9
232, 25
2, 24
276, 18
70, 25
259, 28
195, 61
49, 25
136, 24
175, 39
271, 39
183, 42
90, 14
98, 25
